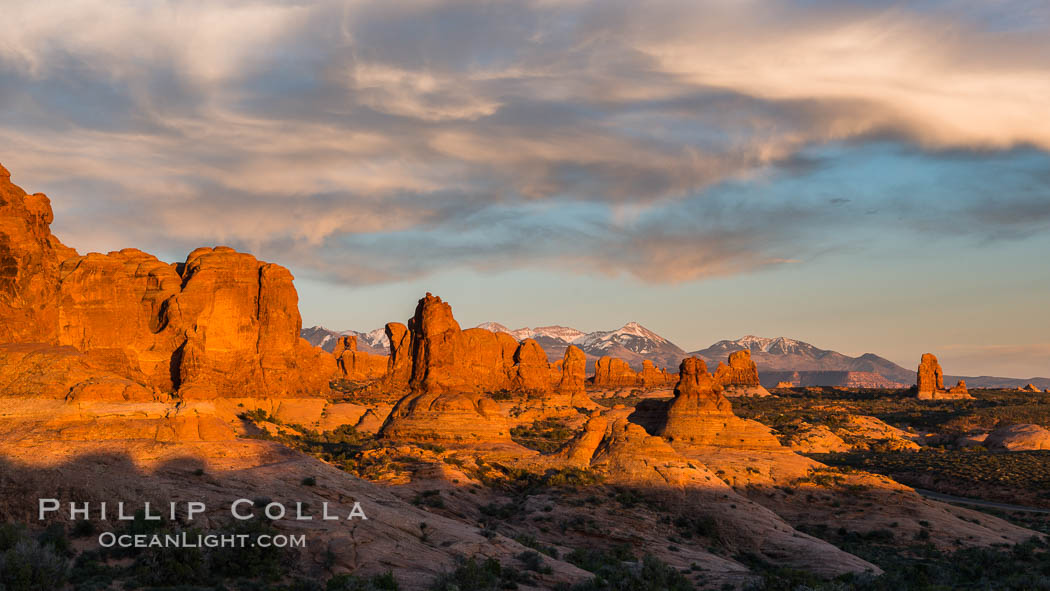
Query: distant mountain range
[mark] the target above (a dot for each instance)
(778, 359)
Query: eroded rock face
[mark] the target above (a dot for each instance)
(959, 390)
(447, 359)
(930, 381)
(611, 372)
(700, 414)
(573, 371)
(651, 377)
(451, 374)
(29, 260)
(452, 417)
(221, 324)
(399, 364)
(930, 378)
(740, 377)
(532, 370)
(355, 365)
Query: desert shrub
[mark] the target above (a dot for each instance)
(531, 542)
(544, 435)
(534, 561)
(429, 498)
(703, 526)
(487, 575)
(616, 569)
(29, 566)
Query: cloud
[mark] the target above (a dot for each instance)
(346, 138)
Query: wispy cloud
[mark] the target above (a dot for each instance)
(346, 138)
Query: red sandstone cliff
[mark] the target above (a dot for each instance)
(220, 324)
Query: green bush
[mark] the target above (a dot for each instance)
(28, 566)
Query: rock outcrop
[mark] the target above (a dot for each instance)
(220, 324)
(740, 377)
(651, 377)
(1023, 437)
(930, 381)
(700, 414)
(612, 373)
(355, 365)
(959, 390)
(930, 378)
(628, 456)
(452, 373)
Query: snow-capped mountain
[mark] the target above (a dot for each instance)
(560, 333)
(773, 346)
(631, 336)
(371, 342)
(632, 342)
(783, 354)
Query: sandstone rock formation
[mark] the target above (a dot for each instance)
(930, 378)
(698, 400)
(785, 385)
(740, 377)
(573, 376)
(629, 456)
(700, 414)
(469, 418)
(1023, 437)
(220, 324)
(358, 365)
(930, 381)
(612, 372)
(651, 377)
(447, 359)
(959, 390)
(453, 371)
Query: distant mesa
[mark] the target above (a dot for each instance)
(930, 382)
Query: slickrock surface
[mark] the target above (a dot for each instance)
(629, 456)
(391, 537)
(740, 377)
(1023, 437)
(816, 439)
(471, 419)
(220, 324)
(930, 381)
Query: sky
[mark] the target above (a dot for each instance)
(864, 176)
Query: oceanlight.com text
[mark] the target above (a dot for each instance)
(192, 540)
